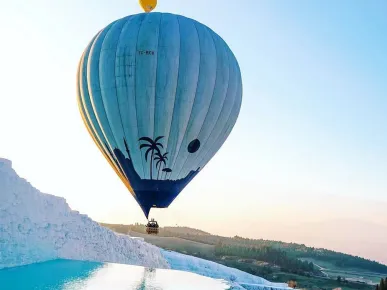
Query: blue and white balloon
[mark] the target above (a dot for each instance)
(159, 93)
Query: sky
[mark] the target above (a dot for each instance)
(310, 143)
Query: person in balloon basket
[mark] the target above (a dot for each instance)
(152, 224)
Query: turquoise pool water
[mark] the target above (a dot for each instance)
(74, 275)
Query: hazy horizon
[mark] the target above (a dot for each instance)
(309, 145)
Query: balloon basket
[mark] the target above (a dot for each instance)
(152, 231)
(152, 228)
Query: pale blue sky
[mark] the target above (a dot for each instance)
(312, 131)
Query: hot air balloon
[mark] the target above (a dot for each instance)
(148, 5)
(159, 94)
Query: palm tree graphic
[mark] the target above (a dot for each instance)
(152, 147)
(127, 148)
(161, 159)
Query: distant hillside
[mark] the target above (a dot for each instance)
(185, 231)
(273, 260)
(298, 251)
(164, 231)
(295, 250)
(336, 258)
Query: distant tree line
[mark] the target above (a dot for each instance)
(344, 260)
(336, 258)
(266, 254)
(382, 285)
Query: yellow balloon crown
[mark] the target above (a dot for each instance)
(148, 5)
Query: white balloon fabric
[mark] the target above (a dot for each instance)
(159, 93)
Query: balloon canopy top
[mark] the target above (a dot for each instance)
(148, 5)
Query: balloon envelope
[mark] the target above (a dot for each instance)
(159, 94)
